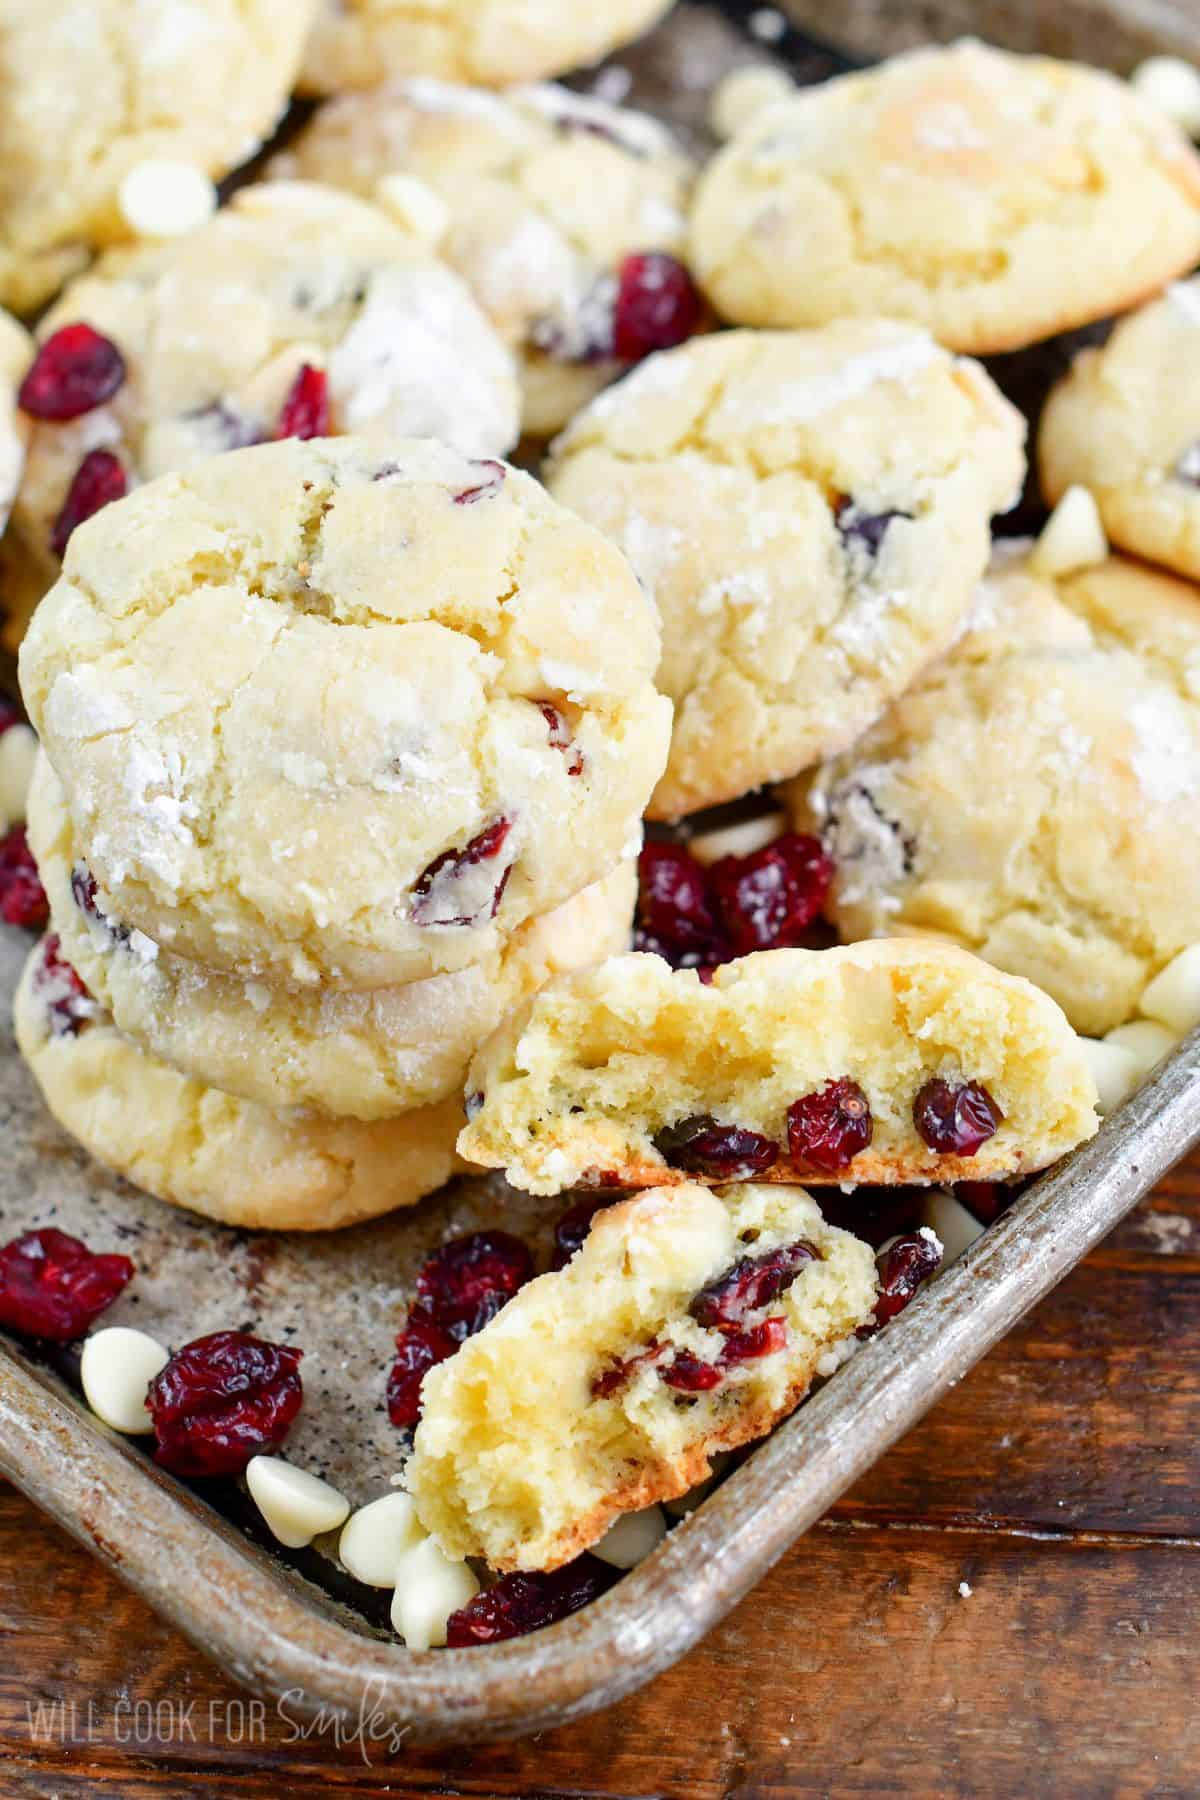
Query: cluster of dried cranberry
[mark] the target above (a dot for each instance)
(459, 1289)
(697, 918)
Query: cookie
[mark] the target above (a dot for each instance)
(15, 351)
(551, 203)
(90, 89)
(596, 1391)
(888, 1062)
(369, 1054)
(214, 329)
(810, 511)
(359, 43)
(345, 711)
(1034, 795)
(202, 1149)
(995, 199)
(1125, 422)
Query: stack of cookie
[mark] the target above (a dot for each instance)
(348, 768)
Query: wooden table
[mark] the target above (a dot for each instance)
(1004, 1607)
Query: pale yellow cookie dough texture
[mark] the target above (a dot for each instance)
(517, 1459)
(342, 712)
(545, 192)
(810, 511)
(91, 88)
(995, 199)
(359, 43)
(1035, 796)
(582, 1080)
(215, 327)
(1125, 422)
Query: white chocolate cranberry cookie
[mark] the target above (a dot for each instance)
(90, 89)
(361, 1054)
(904, 1061)
(1125, 422)
(295, 310)
(559, 211)
(205, 1150)
(16, 348)
(359, 43)
(810, 512)
(1036, 795)
(689, 1322)
(995, 199)
(345, 711)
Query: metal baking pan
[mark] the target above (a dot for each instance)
(290, 1625)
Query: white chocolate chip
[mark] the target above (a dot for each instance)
(1147, 1042)
(1073, 537)
(161, 198)
(737, 840)
(746, 92)
(376, 1537)
(630, 1539)
(1172, 87)
(297, 1506)
(18, 753)
(117, 1366)
(429, 1588)
(1173, 997)
(1116, 1072)
(414, 205)
(947, 1217)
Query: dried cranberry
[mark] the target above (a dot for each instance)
(902, 1269)
(22, 896)
(223, 1399)
(99, 480)
(986, 1199)
(690, 1375)
(561, 737)
(419, 1347)
(52, 1286)
(826, 1130)
(865, 529)
(572, 1229)
(61, 991)
(75, 370)
(753, 1282)
(305, 412)
(617, 1374)
(465, 1283)
(521, 1603)
(955, 1118)
(675, 919)
(658, 306)
(767, 900)
(701, 1146)
(435, 900)
(748, 1345)
(490, 482)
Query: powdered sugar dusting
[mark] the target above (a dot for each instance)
(1166, 758)
(797, 402)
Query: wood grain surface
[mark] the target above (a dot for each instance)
(1060, 1482)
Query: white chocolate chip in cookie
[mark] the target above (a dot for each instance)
(162, 198)
(1072, 538)
(429, 1587)
(116, 1368)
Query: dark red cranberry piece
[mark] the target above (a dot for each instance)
(465, 1283)
(955, 1118)
(826, 1130)
(902, 1269)
(53, 1287)
(690, 1375)
(99, 480)
(522, 1603)
(867, 530)
(223, 1399)
(419, 1348)
(701, 1146)
(61, 991)
(754, 1341)
(491, 480)
(658, 306)
(766, 901)
(305, 412)
(675, 918)
(986, 1199)
(435, 892)
(617, 1374)
(561, 738)
(22, 896)
(753, 1282)
(75, 370)
(572, 1229)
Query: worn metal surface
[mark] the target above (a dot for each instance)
(291, 1624)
